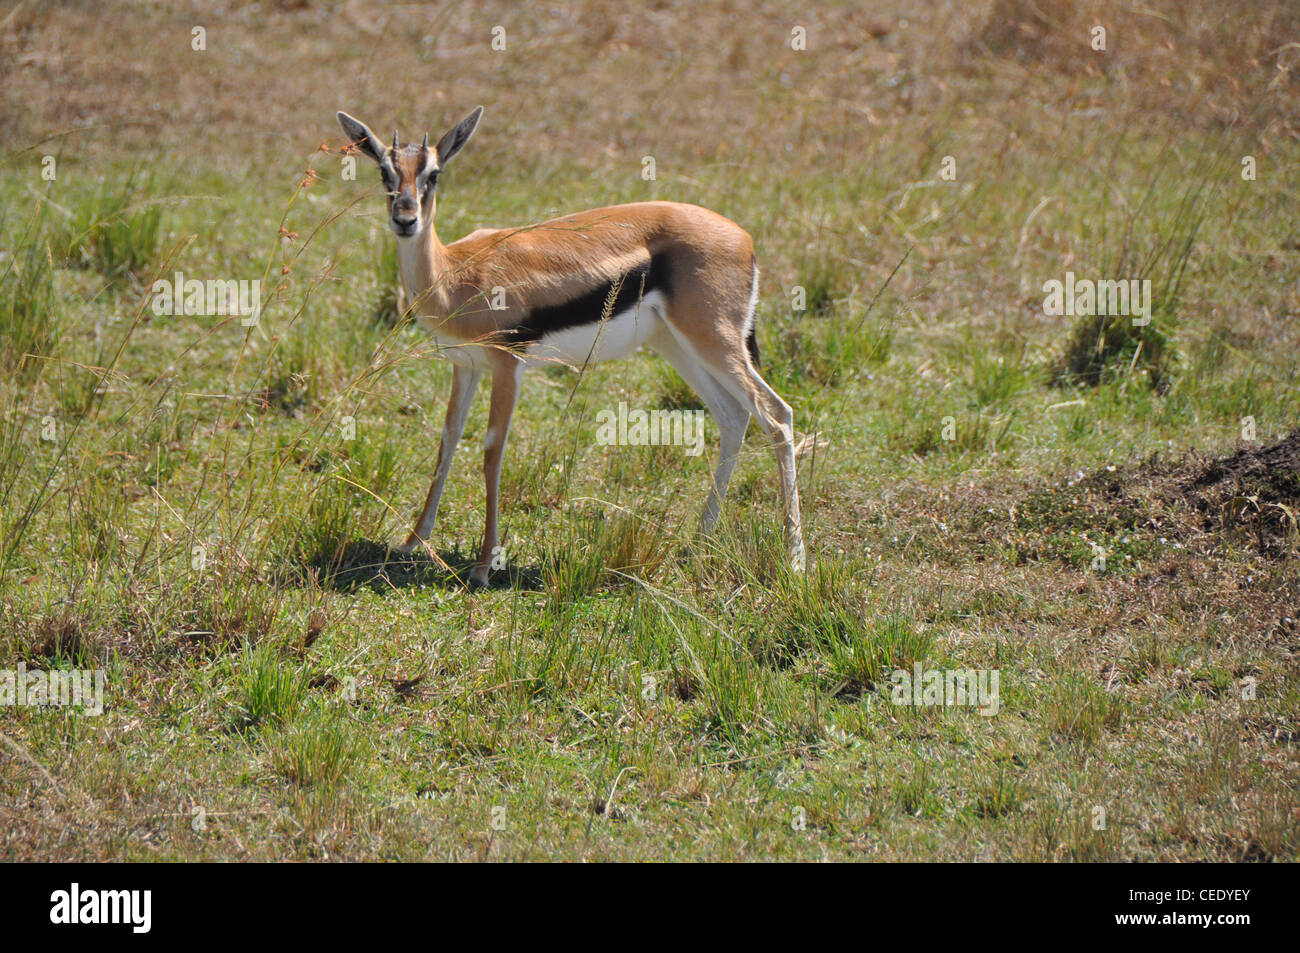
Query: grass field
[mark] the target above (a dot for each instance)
(1101, 513)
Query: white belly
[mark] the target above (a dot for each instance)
(469, 355)
(608, 340)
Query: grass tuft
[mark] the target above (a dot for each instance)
(30, 318)
(116, 229)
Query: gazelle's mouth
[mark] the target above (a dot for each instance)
(405, 229)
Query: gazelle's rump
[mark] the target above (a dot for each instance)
(582, 288)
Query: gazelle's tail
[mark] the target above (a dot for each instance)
(751, 340)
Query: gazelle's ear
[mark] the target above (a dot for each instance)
(358, 132)
(455, 139)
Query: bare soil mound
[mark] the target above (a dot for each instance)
(1256, 489)
(1131, 513)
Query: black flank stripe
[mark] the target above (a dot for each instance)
(590, 307)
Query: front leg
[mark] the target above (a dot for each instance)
(464, 381)
(506, 371)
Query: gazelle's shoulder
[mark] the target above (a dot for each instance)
(480, 238)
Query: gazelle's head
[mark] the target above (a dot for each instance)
(410, 172)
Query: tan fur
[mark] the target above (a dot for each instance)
(555, 261)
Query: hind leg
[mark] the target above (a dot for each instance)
(730, 415)
(732, 369)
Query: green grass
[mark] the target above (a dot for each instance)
(115, 227)
(29, 315)
(268, 691)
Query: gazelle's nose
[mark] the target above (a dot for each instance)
(404, 225)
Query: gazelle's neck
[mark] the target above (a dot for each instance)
(423, 263)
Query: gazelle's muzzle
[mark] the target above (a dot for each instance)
(404, 215)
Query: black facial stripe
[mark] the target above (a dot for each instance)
(590, 306)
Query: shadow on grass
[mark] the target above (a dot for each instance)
(366, 564)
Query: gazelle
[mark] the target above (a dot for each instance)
(587, 287)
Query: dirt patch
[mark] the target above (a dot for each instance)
(1130, 514)
(68, 637)
(1256, 489)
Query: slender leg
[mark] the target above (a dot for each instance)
(730, 415)
(506, 371)
(464, 381)
(778, 421)
(741, 379)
